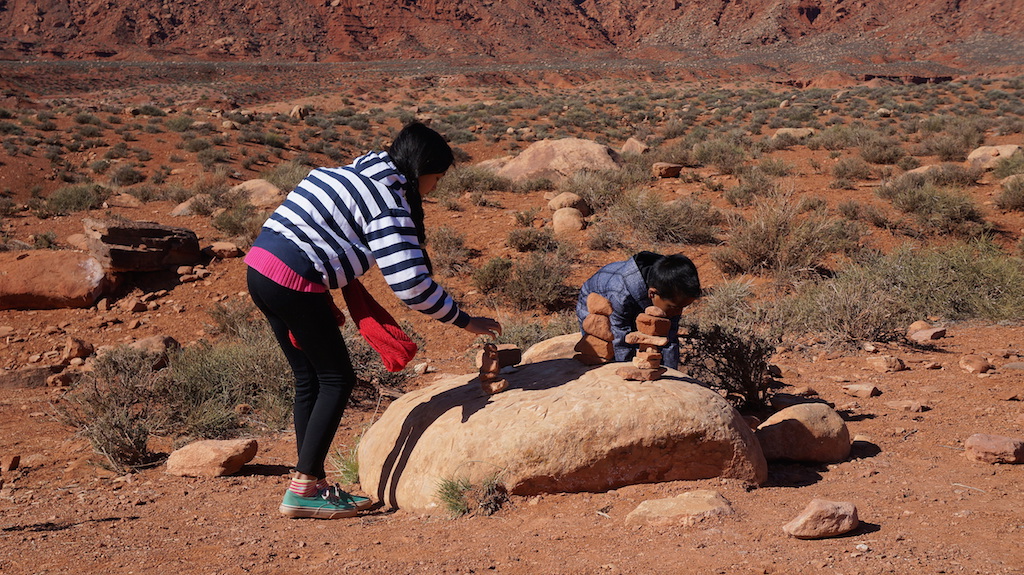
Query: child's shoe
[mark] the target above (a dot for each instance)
(323, 505)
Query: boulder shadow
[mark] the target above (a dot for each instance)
(788, 474)
(263, 470)
(863, 450)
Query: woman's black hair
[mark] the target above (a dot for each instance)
(673, 276)
(416, 151)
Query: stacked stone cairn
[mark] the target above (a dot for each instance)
(651, 335)
(491, 359)
(596, 347)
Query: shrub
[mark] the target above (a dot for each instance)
(938, 210)
(287, 175)
(678, 221)
(732, 360)
(76, 198)
(448, 251)
(538, 282)
(598, 189)
(882, 151)
(723, 154)
(1012, 195)
(493, 275)
(209, 157)
(532, 239)
(126, 176)
(777, 240)
(1006, 167)
(775, 167)
(116, 407)
(460, 496)
(179, 123)
(753, 183)
(242, 221)
(851, 168)
(524, 333)
(463, 179)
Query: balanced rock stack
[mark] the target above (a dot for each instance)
(491, 359)
(651, 335)
(595, 347)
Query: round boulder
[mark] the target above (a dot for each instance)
(559, 427)
(811, 432)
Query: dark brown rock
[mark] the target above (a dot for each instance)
(129, 246)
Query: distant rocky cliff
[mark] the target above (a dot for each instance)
(960, 32)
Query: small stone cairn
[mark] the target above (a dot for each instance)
(492, 358)
(651, 335)
(596, 346)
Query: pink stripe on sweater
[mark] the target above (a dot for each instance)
(276, 271)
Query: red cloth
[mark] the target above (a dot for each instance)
(376, 326)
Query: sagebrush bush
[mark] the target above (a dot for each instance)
(76, 198)
(117, 406)
(1011, 197)
(532, 240)
(1006, 167)
(492, 275)
(851, 168)
(538, 282)
(876, 299)
(654, 220)
(777, 239)
(286, 175)
(462, 179)
(724, 154)
(730, 359)
(754, 182)
(599, 190)
(937, 210)
(447, 250)
(241, 221)
(882, 151)
(525, 332)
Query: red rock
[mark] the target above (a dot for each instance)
(46, 279)
(821, 519)
(599, 326)
(975, 364)
(590, 345)
(651, 325)
(637, 338)
(908, 405)
(985, 448)
(924, 336)
(666, 170)
(10, 462)
(507, 354)
(633, 373)
(211, 458)
(655, 311)
(597, 303)
(886, 364)
(861, 390)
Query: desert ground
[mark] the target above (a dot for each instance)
(923, 506)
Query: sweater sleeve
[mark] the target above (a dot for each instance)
(391, 238)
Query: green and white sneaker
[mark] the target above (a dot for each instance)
(357, 501)
(326, 504)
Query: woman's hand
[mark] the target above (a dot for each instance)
(484, 326)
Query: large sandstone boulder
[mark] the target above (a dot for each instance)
(45, 279)
(559, 427)
(556, 160)
(260, 193)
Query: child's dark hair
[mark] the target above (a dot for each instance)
(674, 277)
(416, 151)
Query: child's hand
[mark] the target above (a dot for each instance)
(484, 326)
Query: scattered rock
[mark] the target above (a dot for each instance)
(666, 170)
(567, 221)
(260, 193)
(187, 208)
(917, 325)
(972, 363)
(886, 364)
(821, 519)
(985, 448)
(28, 376)
(635, 146)
(985, 157)
(9, 463)
(569, 200)
(224, 250)
(682, 510)
(795, 133)
(924, 336)
(864, 390)
(617, 433)
(811, 432)
(211, 458)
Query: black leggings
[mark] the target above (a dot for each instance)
(324, 376)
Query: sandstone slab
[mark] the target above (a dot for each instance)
(211, 458)
(556, 160)
(559, 427)
(986, 448)
(682, 510)
(821, 519)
